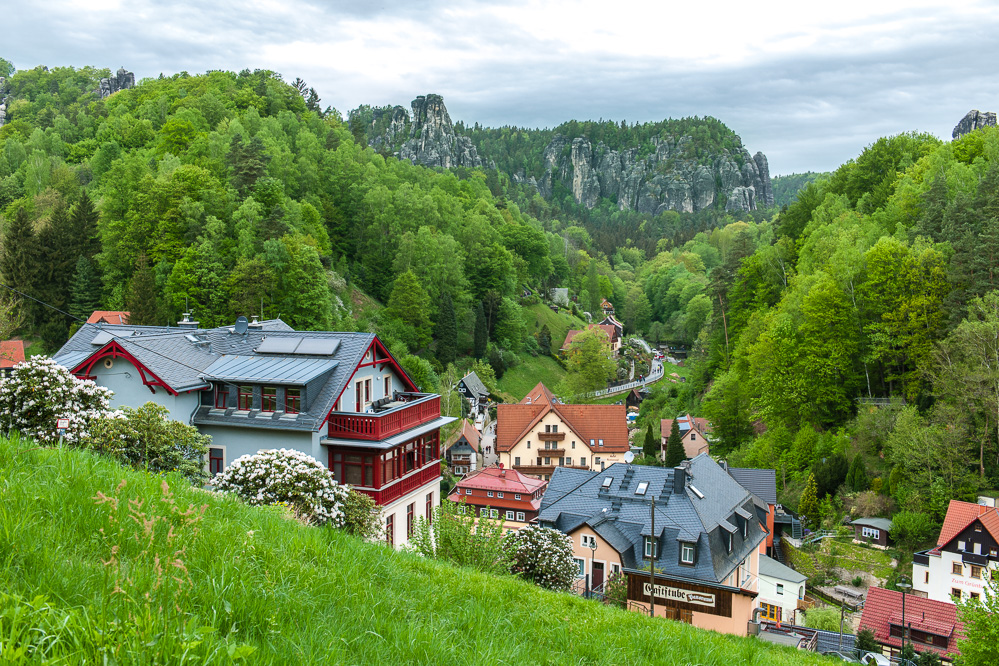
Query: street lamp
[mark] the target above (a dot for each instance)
(593, 551)
(903, 584)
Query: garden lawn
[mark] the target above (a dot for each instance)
(265, 588)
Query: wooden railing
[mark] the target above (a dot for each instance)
(551, 436)
(407, 484)
(420, 408)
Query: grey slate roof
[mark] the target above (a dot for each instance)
(760, 482)
(181, 357)
(475, 385)
(278, 369)
(623, 519)
(876, 523)
(774, 569)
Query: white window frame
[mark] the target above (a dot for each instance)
(870, 532)
(686, 547)
(510, 514)
(468, 491)
(586, 539)
(780, 589)
(516, 496)
(650, 548)
(493, 513)
(489, 493)
(499, 495)
(521, 517)
(580, 566)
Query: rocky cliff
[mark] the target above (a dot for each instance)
(682, 166)
(3, 101)
(427, 138)
(975, 119)
(121, 80)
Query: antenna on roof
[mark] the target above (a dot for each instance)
(629, 456)
(241, 325)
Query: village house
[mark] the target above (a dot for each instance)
(11, 353)
(108, 317)
(693, 434)
(703, 537)
(338, 397)
(606, 307)
(540, 434)
(503, 493)
(874, 531)
(475, 392)
(932, 625)
(609, 320)
(782, 591)
(463, 455)
(609, 330)
(965, 558)
(762, 483)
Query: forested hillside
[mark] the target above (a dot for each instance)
(786, 188)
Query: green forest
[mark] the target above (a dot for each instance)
(848, 336)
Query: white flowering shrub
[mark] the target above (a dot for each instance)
(541, 555)
(286, 476)
(40, 391)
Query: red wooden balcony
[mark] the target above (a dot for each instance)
(405, 485)
(407, 411)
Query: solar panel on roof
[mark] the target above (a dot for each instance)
(318, 346)
(274, 345)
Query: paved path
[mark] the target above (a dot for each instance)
(488, 441)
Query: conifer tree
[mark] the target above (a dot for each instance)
(650, 449)
(84, 289)
(545, 340)
(446, 332)
(409, 305)
(808, 505)
(141, 301)
(19, 262)
(481, 338)
(674, 446)
(83, 227)
(593, 289)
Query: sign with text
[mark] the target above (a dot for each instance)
(684, 596)
(62, 424)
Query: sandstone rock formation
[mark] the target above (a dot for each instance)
(975, 119)
(432, 139)
(3, 101)
(122, 80)
(664, 180)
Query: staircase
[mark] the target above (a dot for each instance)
(795, 528)
(779, 552)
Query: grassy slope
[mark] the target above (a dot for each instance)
(520, 379)
(536, 316)
(307, 595)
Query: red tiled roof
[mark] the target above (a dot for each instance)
(959, 515)
(596, 422)
(884, 607)
(108, 317)
(700, 425)
(504, 480)
(608, 329)
(471, 434)
(11, 353)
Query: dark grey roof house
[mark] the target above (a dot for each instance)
(339, 397)
(472, 388)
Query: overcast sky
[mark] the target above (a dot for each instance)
(810, 84)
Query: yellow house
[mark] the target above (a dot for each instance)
(700, 528)
(539, 434)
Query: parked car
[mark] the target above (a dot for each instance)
(875, 659)
(842, 656)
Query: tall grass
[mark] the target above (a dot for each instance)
(99, 564)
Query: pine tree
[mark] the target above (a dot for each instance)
(674, 446)
(856, 478)
(19, 263)
(446, 332)
(650, 449)
(83, 228)
(593, 288)
(545, 340)
(141, 301)
(808, 505)
(84, 289)
(481, 338)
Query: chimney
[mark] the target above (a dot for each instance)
(679, 480)
(187, 322)
(254, 323)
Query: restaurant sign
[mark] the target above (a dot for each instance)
(684, 596)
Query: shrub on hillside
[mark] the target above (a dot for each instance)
(146, 438)
(361, 516)
(286, 476)
(40, 391)
(455, 535)
(541, 555)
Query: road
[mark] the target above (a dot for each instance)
(488, 443)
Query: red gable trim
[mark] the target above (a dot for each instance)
(114, 350)
(375, 347)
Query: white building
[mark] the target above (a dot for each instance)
(965, 558)
(781, 588)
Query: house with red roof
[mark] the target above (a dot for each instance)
(11, 353)
(539, 434)
(109, 317)
(463, 454)
(693, 434)
(965, 558)
(933, 625)
(611, 331)
(501, 493)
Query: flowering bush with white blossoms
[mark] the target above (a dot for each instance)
(541, 555)
(40, 391)
(292, 477)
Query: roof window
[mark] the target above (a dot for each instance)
(607, 482)
(642, 487)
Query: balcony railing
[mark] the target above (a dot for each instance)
(542, 469)
(551, 453)
(551, 436)
(408, 410)
(921, 558)
(407, 484)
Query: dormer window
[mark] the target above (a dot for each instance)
(268, 399)
(686, 553)
(650, 548)
(221, 396)
(728, 542)
(745, 528)
(293, 400)
(245, 398)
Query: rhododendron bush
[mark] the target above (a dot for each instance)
(541, 555)
(286, 476)
(40, 391)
